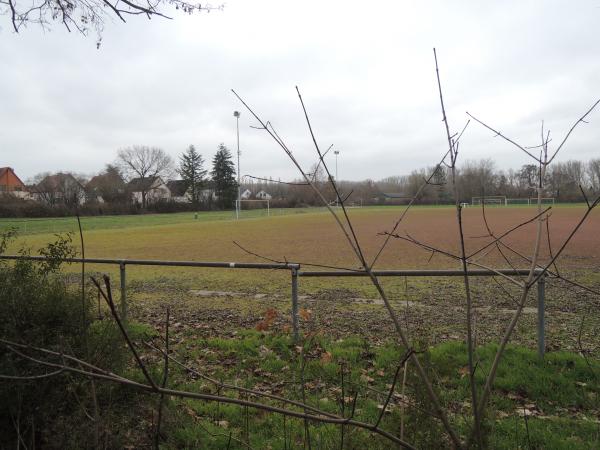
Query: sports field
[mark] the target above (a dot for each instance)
(310, 236)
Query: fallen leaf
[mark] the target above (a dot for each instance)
(326, 357)
(305, 314)
(367, 378)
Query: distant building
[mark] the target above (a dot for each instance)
(148, 190)
(61, 188)
(11, 184)
(263, 195)
(246, 194)
(106, 187)
(179, 191)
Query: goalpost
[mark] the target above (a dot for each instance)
(499, 200)
(544, 200)
(528, 201)
(356, 204)
(253, 205)
(518, 201)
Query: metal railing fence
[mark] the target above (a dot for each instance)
(297, 273)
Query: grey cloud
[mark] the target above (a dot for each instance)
(366, 75)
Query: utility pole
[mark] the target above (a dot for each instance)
(236, 114)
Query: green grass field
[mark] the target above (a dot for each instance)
(307, 236)
(69, 224)
(89, 223)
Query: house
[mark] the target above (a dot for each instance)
(179, 191)
(61, 188)
(93, 190)
(246, 194)
(208, 195)
(148, 190)
(106, 187)
(263, 195)
(11, 184)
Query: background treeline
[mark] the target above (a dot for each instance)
(564, 182)
(474, 178)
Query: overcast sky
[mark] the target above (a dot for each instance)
(365, 69)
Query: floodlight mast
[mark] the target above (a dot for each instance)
(238, 206)
(336, 153)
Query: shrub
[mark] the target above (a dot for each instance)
(38, 308)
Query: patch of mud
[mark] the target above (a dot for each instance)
(346, 297)
(206, 293)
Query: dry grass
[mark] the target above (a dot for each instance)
(314, 238)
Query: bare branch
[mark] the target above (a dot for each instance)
(580, 120)
(108, 298)
(31, 377)
(393, 387)
(410, 204)
(161, 401)
(354, 244)
(275, 181)
(505, 138)
(222, 385)
(285, 261)
(507, 232)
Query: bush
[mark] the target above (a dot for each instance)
(38, 308)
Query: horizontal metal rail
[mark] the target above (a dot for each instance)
(154, 262)
(296, 273)
(416, 273)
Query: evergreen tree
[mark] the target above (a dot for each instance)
(191, 170)
(223, 177)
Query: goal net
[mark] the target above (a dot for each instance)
(517, 201)
(348, 204)
(252, 208)
(544, 200)
(356, 204)
(499, 200)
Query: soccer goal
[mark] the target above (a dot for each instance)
(356, 204)
(252, 208)
(497, 200)
(517, 201)
(544, 200)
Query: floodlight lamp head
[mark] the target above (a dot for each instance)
(236, 114)
(336, 152)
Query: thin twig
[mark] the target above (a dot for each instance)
(463, 259)
(99, 373)
(108, 298)
(161, 401)
(407, 355)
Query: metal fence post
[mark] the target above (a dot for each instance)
(123, 291)
(295, 304)
(541, 292)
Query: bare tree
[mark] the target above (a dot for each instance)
(86, 15)
(593, 172)
(146, 164)
(108, 186)
(61, 188)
